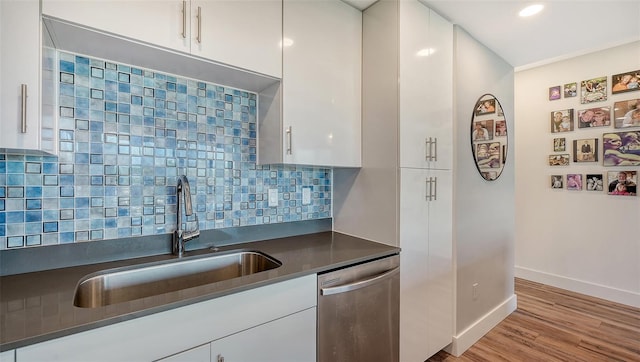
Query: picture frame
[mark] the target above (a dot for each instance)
(488, 155)
(501, 128)
(482, 130)
(585, 150)
(594, 182)
(554, 93)
(574, 181)
(557, 181)
(559, 160)
(570, 90)
(593, 90)
(626, 113)
(486, 106)
(559, 144)
(594, 117)
(621, 148)
(625, 82)
(623, 183)
(562, 121)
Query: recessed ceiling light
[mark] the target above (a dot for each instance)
(531, 10)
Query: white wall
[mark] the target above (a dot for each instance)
(483, 211)
(583, 241)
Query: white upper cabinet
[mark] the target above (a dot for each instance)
(241, 33)
(426, 81)
(321, 118)
(163, 23)
(20, 69)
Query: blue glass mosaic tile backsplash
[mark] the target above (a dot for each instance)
(125, 135)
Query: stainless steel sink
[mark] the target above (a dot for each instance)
(129, 283)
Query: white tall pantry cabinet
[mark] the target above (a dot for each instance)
(403, 194)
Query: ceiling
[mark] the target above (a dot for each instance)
(564, 28)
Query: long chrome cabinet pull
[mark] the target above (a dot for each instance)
(184, 19)
(23, 119)
(431, 185)
(289, 151)
(199, 38)
(427, 152)
(435, 149)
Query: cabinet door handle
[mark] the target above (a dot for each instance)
(434, 196)
(435, 149)
(184, 19)
(427, 149)
(427, 189)
(199, 37)
(23, 118)
(289, 131)
(432, 189)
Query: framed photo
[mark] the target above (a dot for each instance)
(574, 181)
(585, 150)
(562, 121)
(486, 106)
(621, 148)
(625, 82)
(501, 128)
(489, 175)
(554, 93)
(593, 90)
(559, 160)
(594, 182)
(556, 182)
(622, 183)
(626, 113)
(570, 90)
(594, 117)
(559, 144)
(488, 155)
(482, 130)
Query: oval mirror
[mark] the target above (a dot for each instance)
(489, 137)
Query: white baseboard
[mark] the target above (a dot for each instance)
(471, 335)
(626, 297)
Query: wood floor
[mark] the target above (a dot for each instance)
(553, 324)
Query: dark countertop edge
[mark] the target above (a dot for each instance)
(390, 250)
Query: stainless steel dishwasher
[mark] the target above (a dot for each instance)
(359, 312)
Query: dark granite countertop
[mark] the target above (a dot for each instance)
(38, 306)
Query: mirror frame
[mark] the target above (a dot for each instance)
(486, 117)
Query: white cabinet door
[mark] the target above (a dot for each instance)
(8, 356)
(20, 69)
(163, 23)
(426, 278)
(288, 339)
(414, 269)
(426, 93)
(322, 83)
(197, 354)
(242, 33)
(440, 262)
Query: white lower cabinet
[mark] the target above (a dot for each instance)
(292, 338)
(426, 280)
(250, 319)
(288, 339)
(7, 356)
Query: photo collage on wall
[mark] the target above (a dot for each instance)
(617, 146)
(488, 137)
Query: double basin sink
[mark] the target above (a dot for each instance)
(129, 283)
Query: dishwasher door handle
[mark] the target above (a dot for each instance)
(359, 284)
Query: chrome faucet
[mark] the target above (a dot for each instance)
(182, 236)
